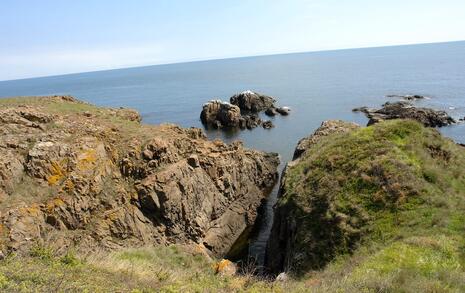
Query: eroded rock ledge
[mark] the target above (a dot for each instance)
(76, 176)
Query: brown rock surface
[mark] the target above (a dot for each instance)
(252, 102)
(405, 110)
(74, 175)
(220, 114)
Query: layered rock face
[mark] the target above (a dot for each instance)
(405, 110)
(76, 176)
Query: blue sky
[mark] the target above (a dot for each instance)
(49, 37)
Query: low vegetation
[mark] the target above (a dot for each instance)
(380, 209)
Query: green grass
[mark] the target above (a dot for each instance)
(387, 187)
(150, 269)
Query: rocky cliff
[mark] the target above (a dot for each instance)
(385, 193)
(76, 176)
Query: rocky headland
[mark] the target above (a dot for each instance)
(376, 206)
(75, 176)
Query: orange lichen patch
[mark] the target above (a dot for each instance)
(86, 159)
(57, 173)
(225, 267)
(33, 210)
(56, 202)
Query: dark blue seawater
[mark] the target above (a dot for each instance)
(317, 86)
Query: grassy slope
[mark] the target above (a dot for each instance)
(391, 194)
(150, 269)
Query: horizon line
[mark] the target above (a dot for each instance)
(229, 58)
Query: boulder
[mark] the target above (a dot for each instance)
(250, 101)
(282, 277)
(267, 124)
(225, 268)
(220, 114)
(283, 110)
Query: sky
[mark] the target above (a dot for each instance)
(51, 37)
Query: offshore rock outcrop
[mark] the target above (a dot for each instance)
(76, 176)
(242, 111)
(405, 110)
(220, 115)
(252, 102)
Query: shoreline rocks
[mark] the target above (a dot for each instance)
(405, 110)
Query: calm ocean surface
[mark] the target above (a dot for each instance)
(317, 86)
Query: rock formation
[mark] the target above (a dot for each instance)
(76, 176)
(242, 112)
(404, 110)
(220, 114)
(252, 101)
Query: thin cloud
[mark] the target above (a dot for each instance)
(78, 60)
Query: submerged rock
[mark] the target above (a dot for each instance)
(267, 124)
(106, 181)
(407, 97)
(250, 101)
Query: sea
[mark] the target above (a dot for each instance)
(317, 86)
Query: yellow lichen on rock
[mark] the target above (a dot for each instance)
(86, 159)
(56, 202)
(57, 173)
